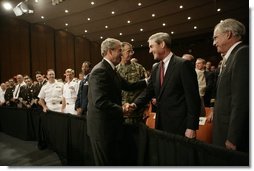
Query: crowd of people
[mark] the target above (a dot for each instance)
(117, 90)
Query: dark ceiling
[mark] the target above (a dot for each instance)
(204, 15)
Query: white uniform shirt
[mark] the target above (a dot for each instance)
(2, 100)
(70, 91)
(52, 93)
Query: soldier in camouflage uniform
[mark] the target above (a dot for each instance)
(132, 72)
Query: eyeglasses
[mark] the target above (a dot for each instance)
(130, 52)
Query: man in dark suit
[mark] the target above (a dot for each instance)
(174, 84)
(105, 110)
(82, 99)
(231, 110)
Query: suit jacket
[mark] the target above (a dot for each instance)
(105, 116)
(178, 100)
(210, 78)
(231, 111)
(82, 99)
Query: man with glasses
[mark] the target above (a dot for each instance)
(132, 72)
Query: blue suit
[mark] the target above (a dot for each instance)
(82, 99)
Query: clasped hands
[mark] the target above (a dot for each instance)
(128, 108)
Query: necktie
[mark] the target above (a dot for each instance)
(161, 72)
(223, 65)
(17, 92)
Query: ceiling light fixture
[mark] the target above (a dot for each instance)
(113, 12)
(139, 4)
(128, 21)
(218, 10)
(92, 3)
(66, 11)
(153, 15)
(180, 6)
(195, 27)
(42, 17)
(120, 34)
(189, 18)
(7, 5)
(22, 8)
(163, 24)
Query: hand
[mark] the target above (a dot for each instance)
(230, 145)
(154, 101)
(79, 111)
(125, 108)
(45, 109)
(209, 118)
(189, 133)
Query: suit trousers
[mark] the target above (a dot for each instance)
(107, 152)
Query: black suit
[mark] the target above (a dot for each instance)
(209, 78)
(82, 99)
(178, 101)
(231, 111)
(105, 115)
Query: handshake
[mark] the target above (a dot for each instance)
(128, 108)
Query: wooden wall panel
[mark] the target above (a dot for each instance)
(82, 53)
(15, 52)
(95, 53)
(42, 49)
(64, 52)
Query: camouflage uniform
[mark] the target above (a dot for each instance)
(132, 73)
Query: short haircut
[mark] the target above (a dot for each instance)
(107, 44)
(233, 26)
(161, 37)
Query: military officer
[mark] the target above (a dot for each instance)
(132, 72)
(51, 93)
(70, 91)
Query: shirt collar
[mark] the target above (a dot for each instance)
(230, 50)
(111, 64)
(165, 60)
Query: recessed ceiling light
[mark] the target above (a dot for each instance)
(120, 34)
(172, 32)
(141, 29)
(85, 31)
(88, 19)
(42, 17)
(66, 24)
(195, 27)
(113, 12)
(101, 37)
(163, 24)
(153, 15)
(66, 11)
(106, 26)
(132, 40)
(139, 4)
(36, 1)
(180, 6)
(7, 5)
(128, 21)
(218, 10)
(92, 3)
(189, 18)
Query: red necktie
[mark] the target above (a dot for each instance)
(161, 72)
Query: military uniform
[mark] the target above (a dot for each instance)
(8, 96)
(132, 72)
(52, 94)
(70, 91)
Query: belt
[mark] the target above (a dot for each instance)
(70, 103)
(54, 103)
